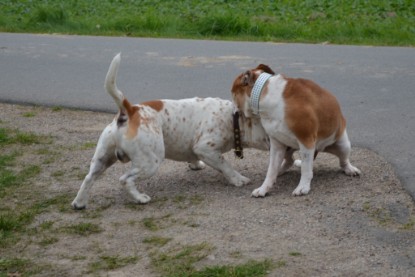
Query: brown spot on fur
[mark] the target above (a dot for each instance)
(241, 88)
(133, 119)
(156, 105)
(312, 113)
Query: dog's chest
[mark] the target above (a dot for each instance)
(273, 116)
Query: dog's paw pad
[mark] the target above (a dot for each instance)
(259, 192)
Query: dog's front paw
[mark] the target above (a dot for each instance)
(259, 192)
(240, 181)
(301, 190)
(77, 206)
(79, 203)
(351, 170)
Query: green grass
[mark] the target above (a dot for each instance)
(179, 262)
(157, 241)
(19, 267)
(82, 229)
(378, 22)
(295, 254)
(10, 136)
(14, 222)
(112, 262)
(249, 269)
(155, 224)
(11, 144)
(29, 114)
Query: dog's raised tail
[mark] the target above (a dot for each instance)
(110, 82)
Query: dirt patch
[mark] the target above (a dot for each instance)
(345, 227)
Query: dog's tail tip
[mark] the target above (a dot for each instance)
(110, 81)
(118, 57)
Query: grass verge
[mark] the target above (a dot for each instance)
(181, 260)
(377, 22)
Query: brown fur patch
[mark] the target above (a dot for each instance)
(243, 84)
(156, 105)
(265, 68)
(133, 119)
(242, 87)
(312, 113)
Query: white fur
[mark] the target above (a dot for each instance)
(196, 130)
(272, 116)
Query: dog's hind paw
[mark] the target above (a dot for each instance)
(351, 170)
(297, 163)
(142, 198)
(198, 165)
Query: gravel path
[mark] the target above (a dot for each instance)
(346, 226)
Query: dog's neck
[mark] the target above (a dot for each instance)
(252, 133)
(256, 91)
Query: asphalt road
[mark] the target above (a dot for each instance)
(375, 85)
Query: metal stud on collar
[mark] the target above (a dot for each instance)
(256, 91)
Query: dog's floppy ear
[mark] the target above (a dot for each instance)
(247, 78)
(265, 68)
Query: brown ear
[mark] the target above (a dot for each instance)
(265, 68)
(247, 78)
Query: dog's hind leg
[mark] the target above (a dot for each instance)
(214, 158)
(140, 171)
(341, 149)
(288, 161)
(128, 181)
(103, 158)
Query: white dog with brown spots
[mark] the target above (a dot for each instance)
(297, 114)
(196, 130)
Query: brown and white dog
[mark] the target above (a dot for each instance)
(296, 114)
(196, 130)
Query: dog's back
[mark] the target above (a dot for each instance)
(188, 122)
